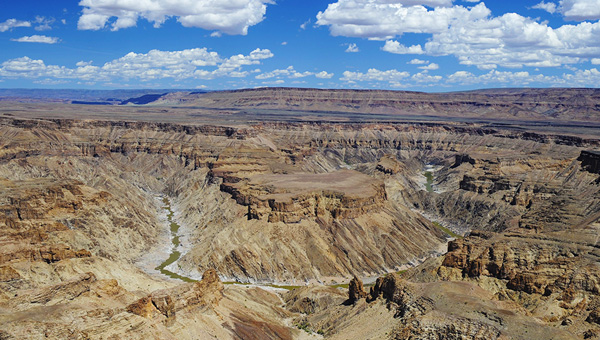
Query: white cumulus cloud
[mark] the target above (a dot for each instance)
(417, 62)
(375, 75)
(352, 48)
(549, 7)
(12, 23)
(324, 75)
(430, 67)
(43, 23)
(471, 34)
(515, 41)
(580, 9)
(37, 39)
(577, 10)
(291, 73)
(393, 46)
(230, 17)
(424, 78)
(430, 3)
(197, 63)
(383, 19)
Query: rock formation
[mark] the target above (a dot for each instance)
(303, 197)
(590, 161)
(356, 291)
(207, 292)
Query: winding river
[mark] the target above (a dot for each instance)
(175, 254)
(429, 183)
(429, 187)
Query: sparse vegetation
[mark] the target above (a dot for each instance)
(305, 326)
(446, 230)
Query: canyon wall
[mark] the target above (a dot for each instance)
(295, 203)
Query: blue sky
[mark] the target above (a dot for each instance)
(417, 45)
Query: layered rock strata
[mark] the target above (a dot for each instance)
(554, 104)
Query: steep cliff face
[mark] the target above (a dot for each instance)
(551, 276)
(50, 220)
(397, 308)
(298, 202)
(85, 306)
(326, 224)
(590, 161)
(338, 197)
(541, 265)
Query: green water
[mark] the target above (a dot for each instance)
(429, 183)
(446, 230)
(174, 256)
(429, 188)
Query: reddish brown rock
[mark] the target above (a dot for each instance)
(540, 264)
(8, 273)
(55, 254)
(143, 307)
(389, 165)
(205, 293)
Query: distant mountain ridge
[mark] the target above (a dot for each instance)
(532, 104)
(524, 104)
(85, 96)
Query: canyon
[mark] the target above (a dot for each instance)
(303, 214)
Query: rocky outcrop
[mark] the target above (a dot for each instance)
(313, 299)
(462, 158)
(540, 265)
(291, 198)
(451, 310)
(55, 254)
(7, 273)
(389, 165)
(207, 292)
(590, 161)
(356, 291)
(594, 317)
(53, 220)
(459, 328)
(143, 307)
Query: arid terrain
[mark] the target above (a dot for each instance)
(302, 214)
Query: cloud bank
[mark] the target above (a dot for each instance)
(197, 63)
(471, 34)
(37, 39)
(230, 17)
(13, 23)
